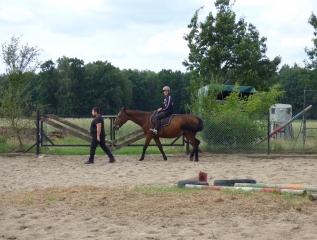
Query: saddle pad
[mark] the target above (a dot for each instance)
(164, 122)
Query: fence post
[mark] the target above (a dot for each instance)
(111, 129)
(268, 133)
(304, 121)
(37, 132)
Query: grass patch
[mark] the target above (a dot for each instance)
(29, 200)
(154, 190)
(131, 150)
(160, 201)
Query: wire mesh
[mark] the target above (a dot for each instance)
(234, 133)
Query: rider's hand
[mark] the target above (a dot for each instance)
(160, 109)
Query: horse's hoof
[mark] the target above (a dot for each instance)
(165, 159)
(191, 158)
(141, 159)
(196, 160)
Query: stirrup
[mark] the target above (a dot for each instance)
(153, 130)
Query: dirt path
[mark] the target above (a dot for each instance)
(99, 204)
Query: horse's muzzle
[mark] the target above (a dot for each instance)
(116, 128)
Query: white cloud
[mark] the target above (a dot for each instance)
(145, 34)
(15, 14)
(171, 42)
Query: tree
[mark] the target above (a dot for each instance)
(293, 83)
(20, 59)
(15, 99)
(70, 76)
(107, 87)
(226, 51)
(311, 65)
(47, 87)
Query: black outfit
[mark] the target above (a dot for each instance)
(94, 141)
(167, 110)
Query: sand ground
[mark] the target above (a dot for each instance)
(95, 202)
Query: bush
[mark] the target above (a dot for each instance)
(232, 128)
(237, 123)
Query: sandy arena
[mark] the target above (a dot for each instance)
(59, 197)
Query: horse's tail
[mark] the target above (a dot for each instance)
(191, 128)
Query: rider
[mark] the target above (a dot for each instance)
(165, 111)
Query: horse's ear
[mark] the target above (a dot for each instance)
(123, 109)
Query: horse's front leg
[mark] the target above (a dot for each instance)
(159, 145)
(146, 144)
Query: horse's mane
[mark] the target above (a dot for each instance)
(139, 111)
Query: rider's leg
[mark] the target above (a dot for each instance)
(158, 119)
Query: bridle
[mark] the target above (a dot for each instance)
(120, 118)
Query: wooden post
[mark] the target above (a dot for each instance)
(312, 197)
(37, 132)
(268, 133)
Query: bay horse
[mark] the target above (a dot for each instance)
(183, 124)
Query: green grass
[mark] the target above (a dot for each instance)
(123, 151)
(163, 190)
(124, 130)
(277, 145)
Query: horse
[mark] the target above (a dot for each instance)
(182, 124)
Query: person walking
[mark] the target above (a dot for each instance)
(165, 111)
(97, 131)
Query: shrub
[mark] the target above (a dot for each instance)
(232, 128)
(237, 122)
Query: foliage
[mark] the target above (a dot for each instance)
(236, 121)
(15, 104)
(311, 65)
(20, 59)
(70, 87)
(227, 51)
(293, 81)
(15, 100)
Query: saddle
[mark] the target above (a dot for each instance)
(164, 122)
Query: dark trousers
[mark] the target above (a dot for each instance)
(93, 145)
(158, 119)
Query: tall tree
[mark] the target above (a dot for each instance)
(107, 87)
(70, 77)
(47, 87)
(15, 99)
(311, 65)
(292, 81)
(226, 51)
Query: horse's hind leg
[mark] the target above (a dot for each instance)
(197, 142)
(159, 145)
(191, 137)
(146, 144)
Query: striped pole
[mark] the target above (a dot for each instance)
(311, 188)
(285, 124)
(312, 197)
(251, 189)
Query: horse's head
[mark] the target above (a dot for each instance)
(120, 119)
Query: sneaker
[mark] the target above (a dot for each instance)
(112, 160)
(153, 130)
(89, 162)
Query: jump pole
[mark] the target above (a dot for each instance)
(311, 188)
(312, 197)
(250, 189)
(285, 124)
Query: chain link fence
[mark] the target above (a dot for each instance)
(279, 131)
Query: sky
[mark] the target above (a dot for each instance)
(146, 34)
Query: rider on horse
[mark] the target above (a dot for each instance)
(165, 111)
